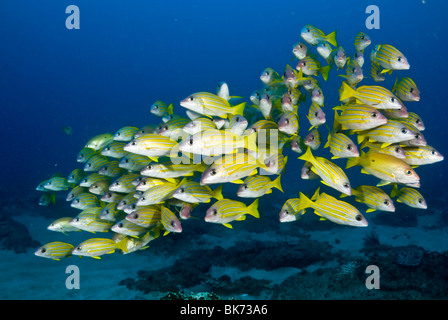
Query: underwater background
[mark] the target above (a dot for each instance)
(127, 55)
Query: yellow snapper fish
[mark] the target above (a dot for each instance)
(238, 124)
(62, 225)
(391, 132)
(76, 191)
(232, 168)
(173, 128)
(123, 184)
(158, 194)
(373, 197)
(95, 163)
(225, 211)
(409, 197)
(149, 182)
(311, 67)
(216, 142)
(354, 73)
(209, 104)
(169, 221)
(114, 150)
(84, 201)
(362, 41)
(91, 224)
(312, 139)
(358, 117)
(375, 72)
(55, 250)
(47, 199)
(76, 176)
(341, 146)
(125, 133)
(100, 141)
(133, 244)
(393, 149)
(160, 109)
(111, 169)
(194, 192)
(315, 116)
(57, 184)
(92, 178)
(85, 154)
(339, 58)
(169, 170)
(100, 187)
(97, 247)
(111, 213)
(324, 49)
(317, 97)
(289, 123)
(257, 186)
(289, 211)
(290, 77)
(389, 58)
(146, 216)
(330, 208)
(198, 125)
(330, 173)
(358, 57)
(144, 130)
(151, 145)
(134, 162)
(374, 96)
(275, 163)
(416, 121)
(385, 167)
(270, 77)
(313, 35)
(128, 228)
(306, 173)
(421, 155)
(406, 89)
(300, 50)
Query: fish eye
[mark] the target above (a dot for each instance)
(358, 217)
(120, 225)
(392, 99)
(212, 172)
(126, 160)
(312, 137)
(95, 186)
(135, 216)
(304, 63)
(214, 212)
(237, 119)
(362, 38)
(79, 248)
(77, 219)
(433, 152)
(399, 59)
(411, 90)
(117, 183)
(349, 147)
(386, 202)
(300, 46)
(420, 200)
(181, 190)
(244, 186)
(316, 113)
(404, 130)
(43, 250)
(286, 211)
(155, 107)
(287, 121)
(165, 128)
(346, 185)
(191, 98)
(307, 29)
(417, 136)
(149, 167)
(190, 141)
(143, 198)
(133, 143)
(107, 211)
(374, 114)
(408, 172)
(118, 134)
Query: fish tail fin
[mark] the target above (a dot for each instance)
(277, 183)
(324, 71)
(316, 194)
(251, 142)
(331, 38)
(394, 88)
(53, 198)
(361, 137)
(347, 92)
(328, 140)
(305, 202)
(170, 109)
(239, 108)
(122, 244)
(394, 191)
(253, 209)
(351, 162)
(308, 156)
(217, 193)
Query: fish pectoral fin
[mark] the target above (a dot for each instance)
(228, 225)
(370, 210)
(238, 181)
(243, 217)
(95, 257)
(364, 171)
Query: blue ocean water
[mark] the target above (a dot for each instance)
(128, 54)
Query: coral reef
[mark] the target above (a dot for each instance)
(15, 236)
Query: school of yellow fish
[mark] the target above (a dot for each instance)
(140, 183)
